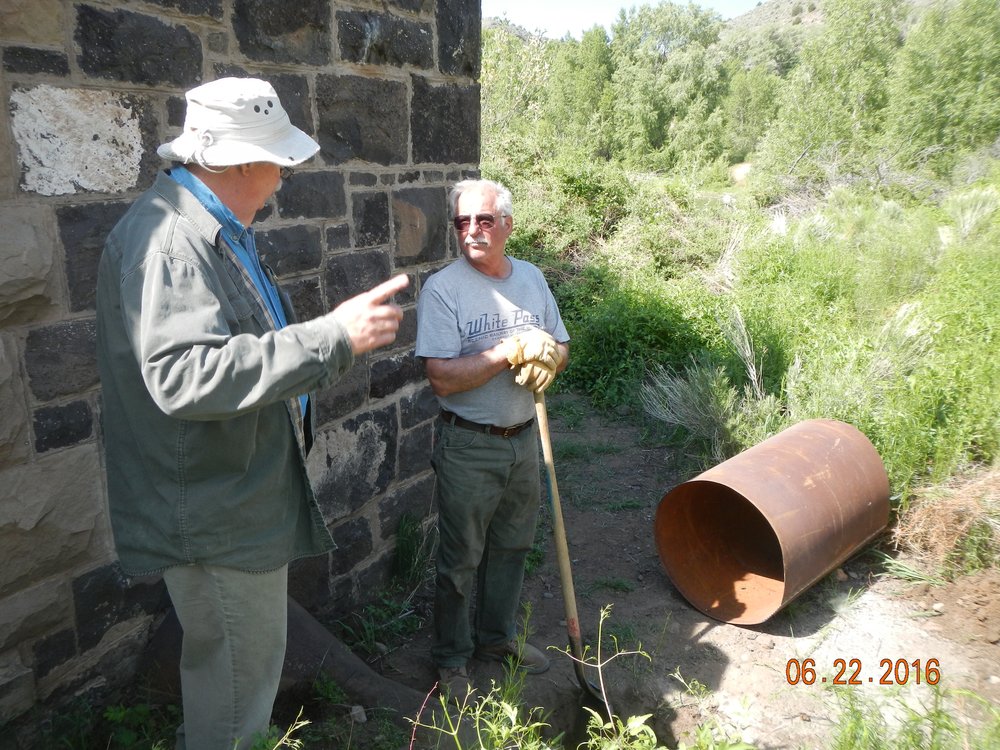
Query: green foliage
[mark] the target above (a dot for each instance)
(414, 550)
(514, 75)
(601, 192)
(955, 387)
(945, 91)
(618, 734)
(327, 689)
(977, 550)
(768, 49)
(573, 451)
(390, 617)
(276, 738)
(618, 585)
(387, 620)
(934, 726)
(667, 85)
(72, 727)
(614, 339)
(120, 726)
(140, 725)
(748, 109)
(620, 633)
(578, 109)
(834, 103)
(487, 722)
(872, 298)
(570, 412)
(536, 556)
(710, 736)
(625, 505)
(862, 314)
(903, 571)
(699, 402)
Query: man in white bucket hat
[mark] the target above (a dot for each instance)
(205, 410)
(237, 121)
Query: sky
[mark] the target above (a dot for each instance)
(557, 17)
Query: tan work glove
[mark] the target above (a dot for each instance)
(535, 376)
(533, 345)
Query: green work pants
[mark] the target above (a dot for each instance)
(487, 496)
(235, 630)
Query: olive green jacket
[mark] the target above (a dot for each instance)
(204, 437)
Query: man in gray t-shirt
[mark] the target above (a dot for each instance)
(490, 334)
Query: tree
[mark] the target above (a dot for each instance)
(515, 71)
(946, 84)
(665, 71)
(748, 109)
(771, 49)
(834, 106)
(578, 105)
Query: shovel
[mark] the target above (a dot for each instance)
(562, 553)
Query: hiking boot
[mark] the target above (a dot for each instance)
(525, 657)
(454, 681)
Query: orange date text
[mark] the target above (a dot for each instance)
(851, 672)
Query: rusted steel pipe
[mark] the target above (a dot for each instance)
(743, 539)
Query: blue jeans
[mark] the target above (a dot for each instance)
(488, 495)
(235, 629)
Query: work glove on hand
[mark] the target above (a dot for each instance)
(534, 345)
(535, 376)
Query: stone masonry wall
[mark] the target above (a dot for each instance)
(389, 90)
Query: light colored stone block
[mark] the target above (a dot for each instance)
(27, 257)
(362, 451)
(113, 661)
(33, 21)
(14, 433)
(48, 512)
(74, 140)
(35, 612)
(17, 687)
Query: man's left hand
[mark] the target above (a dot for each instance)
(536, 376)
(534, 344)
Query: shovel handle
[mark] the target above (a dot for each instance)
(562, 555)
(559, 530)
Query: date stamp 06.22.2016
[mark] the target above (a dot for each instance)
(852, 672)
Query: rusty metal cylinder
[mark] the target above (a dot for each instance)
(743, 539)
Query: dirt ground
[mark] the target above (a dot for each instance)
(611, 477)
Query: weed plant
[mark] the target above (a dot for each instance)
(414, 553)
(138, 725)
(569, 412)
(940, 724)
(386, 621)
(617, 585)
(497, 719)
(391, 616)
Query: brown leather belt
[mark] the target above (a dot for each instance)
(506, 432)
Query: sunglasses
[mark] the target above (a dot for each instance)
(485, 221)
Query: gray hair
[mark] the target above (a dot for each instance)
(504, 200)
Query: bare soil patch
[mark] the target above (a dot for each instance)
(611, 478)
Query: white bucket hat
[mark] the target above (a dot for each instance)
(237, 121)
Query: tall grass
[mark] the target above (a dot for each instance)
(950, 720)
(878, 313)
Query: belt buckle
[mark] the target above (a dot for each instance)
(507, 431)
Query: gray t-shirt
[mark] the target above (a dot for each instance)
(462, 311)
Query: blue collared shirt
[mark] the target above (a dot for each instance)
(241, 240)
